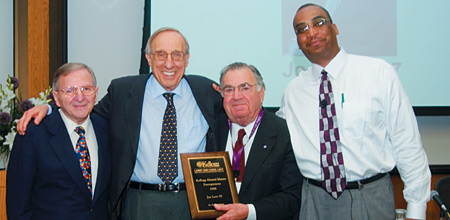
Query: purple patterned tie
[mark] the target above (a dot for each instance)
(83, 157)
(168, 163)
(331, 160)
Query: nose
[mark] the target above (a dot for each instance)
(79, 96)
(236, 94)
(169, 62)
(312, 31)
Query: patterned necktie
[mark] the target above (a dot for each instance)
(83, 157)
(239, 156)
(168, 162)
(332, 162)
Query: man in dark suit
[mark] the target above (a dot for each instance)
(135, 107)
(52, 174)
(267, 178)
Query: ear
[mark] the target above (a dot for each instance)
(56, 98)
(187, 59)
(96, 93)
(261, 94)
(216, 87)
(335, 29)
(149, 59)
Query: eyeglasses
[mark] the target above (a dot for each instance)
(72, 91)
(162, 55)
(316, 22)
(244, 88)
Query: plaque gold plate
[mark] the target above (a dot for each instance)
(209, 180)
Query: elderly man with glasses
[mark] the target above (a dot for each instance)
(266, 173)
(61, 168)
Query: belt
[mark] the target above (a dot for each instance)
(172, 187)
(353, 184)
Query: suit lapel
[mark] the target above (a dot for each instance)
(201, 96)
(133, 105)
(223, 131)
(262, 145)
(103, 173)
(61, 144)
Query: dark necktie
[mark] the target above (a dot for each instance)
(332, 162)
(168, 162)
(239, 154)
(83, 157)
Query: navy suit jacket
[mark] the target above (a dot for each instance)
(272, 181)
(44, 179)
(122, 106)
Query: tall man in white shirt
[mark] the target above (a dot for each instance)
(268, 179)
(375, 129)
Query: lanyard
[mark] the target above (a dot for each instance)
(237, 156)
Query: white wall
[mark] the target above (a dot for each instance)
(6, 42)
(6, 39)
(106, 35)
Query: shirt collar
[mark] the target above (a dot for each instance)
(333, 68)
(157, 90)
(71, 125)
(236, 127)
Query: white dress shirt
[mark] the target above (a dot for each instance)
(232, 138)
(377, 126)
(91, 141)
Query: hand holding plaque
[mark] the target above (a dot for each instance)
(209, 180)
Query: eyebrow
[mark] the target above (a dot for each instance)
(242, 84)
(319, 16)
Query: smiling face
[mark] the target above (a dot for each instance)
(168, 72)
(319, 44)
(76, 108)
(242, 108)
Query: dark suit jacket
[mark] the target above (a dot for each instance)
(44, 179)
(122, 106)
(272, 181)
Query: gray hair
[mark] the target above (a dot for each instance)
(67, 69)
(240, 65)
(148, 48)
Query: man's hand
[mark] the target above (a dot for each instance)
(216, 87)
(232, 211)
(37, 112)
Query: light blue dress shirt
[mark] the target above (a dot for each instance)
(191, 129)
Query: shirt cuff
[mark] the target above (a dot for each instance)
(416, 211)
(49, 111)
(251, 212)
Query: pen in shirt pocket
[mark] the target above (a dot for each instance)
(342, 100)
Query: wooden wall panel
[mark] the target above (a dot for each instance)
(2, 194)
(38, 46)
(31, 44)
